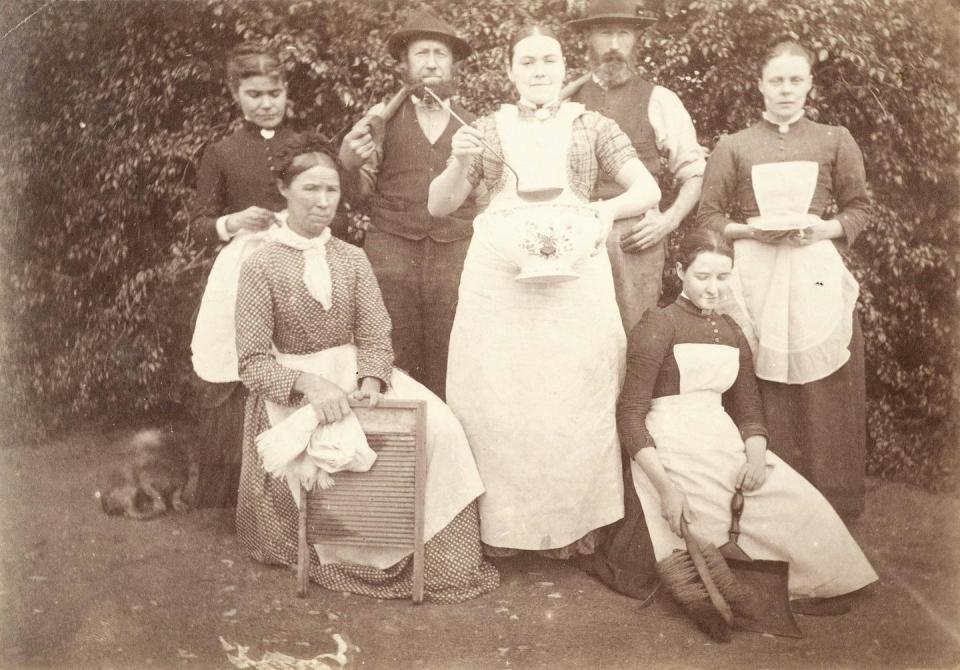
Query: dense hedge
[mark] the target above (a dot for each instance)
(107, 105)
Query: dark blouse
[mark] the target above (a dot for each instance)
(728, 184)
(274, 309)
(652, 370)
(235, 173)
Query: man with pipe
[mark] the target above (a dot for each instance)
(417, 258)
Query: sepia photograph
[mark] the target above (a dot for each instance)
(501, 334)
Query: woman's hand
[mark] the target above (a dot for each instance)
(328, 400)
(369, 390)
(252, 218)
(674, 507)
(753, 473)
(466, 143)
(822, 230)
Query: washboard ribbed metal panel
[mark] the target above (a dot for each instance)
(380, 507)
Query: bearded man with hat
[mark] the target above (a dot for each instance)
(417, 258)
(659, 126)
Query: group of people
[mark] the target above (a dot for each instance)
(575, 419)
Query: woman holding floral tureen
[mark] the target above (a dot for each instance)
(537, 349)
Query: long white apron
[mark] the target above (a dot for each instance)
(701, 450)
(452, 477)
(795, 304)
(534, 374)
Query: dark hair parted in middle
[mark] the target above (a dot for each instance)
(787, 47)
(528, 31)
(302, 152)
(251, 59)
(699, 241)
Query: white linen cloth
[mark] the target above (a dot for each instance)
(452, 477)
(214, 345)
(534, 373)
(214, 342)
(700, 448)
(298, 449)
(795, 304)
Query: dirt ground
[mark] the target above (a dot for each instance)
(83, 590)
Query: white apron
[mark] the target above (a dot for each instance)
(534, 374)
(452, 478)
(701, 450)
(795, 304)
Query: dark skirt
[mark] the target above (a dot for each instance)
(219, 444)
(624, 559)
(820, 429)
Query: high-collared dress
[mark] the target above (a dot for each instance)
(690, 392)
(281, 330)
(818, 427)
(534, 369)
(235, 173)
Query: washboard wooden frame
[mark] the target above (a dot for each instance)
(383, 506)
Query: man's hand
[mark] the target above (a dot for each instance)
(648, 231)
(357, 145)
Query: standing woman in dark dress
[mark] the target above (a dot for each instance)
(236, 192)
(773, 188)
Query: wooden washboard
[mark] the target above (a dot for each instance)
(381, 507)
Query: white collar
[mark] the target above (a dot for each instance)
(783, 126)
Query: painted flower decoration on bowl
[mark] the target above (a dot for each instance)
(545, 241)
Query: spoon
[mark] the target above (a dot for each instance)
(527, 195)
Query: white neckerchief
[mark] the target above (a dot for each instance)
(783, 127)
(316, 270)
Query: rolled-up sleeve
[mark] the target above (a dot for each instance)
(613, 148)
(675, 134)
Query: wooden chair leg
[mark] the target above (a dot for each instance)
(420, 494)
(303, 550)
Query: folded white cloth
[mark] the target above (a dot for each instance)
(302, 452)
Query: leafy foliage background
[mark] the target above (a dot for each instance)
(108, 104)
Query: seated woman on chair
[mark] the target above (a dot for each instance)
(311, 328)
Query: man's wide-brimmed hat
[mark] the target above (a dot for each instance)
(632, 12)
(425, 25)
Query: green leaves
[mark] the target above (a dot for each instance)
(108, 105)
